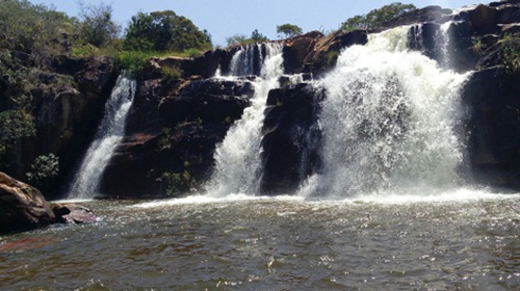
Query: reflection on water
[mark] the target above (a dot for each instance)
(274, 244)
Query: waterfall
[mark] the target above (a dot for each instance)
(108, 136)
(237, 158)
(243, 61)
(388, 122)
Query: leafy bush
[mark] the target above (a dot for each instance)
(44, 169)
(510, 53)
(15, 124)
(377, 17)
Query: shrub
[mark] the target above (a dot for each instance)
(44, 169)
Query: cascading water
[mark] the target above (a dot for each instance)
(388, 122)
(243, 61)
(238, 157)
(109, 135)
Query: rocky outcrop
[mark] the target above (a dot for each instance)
(325, 52)
(296, 50)
(22, 207)
(291, 138)
(172, 134)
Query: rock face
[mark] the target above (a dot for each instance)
(68, 97)
(22, 207)
(493, 121)
(172, 133)
(291, 138)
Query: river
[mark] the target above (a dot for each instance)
(468, 240)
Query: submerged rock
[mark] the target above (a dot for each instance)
(73, 214)
(22, 207)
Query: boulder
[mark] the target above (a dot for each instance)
(22, 207)
(291, 138)
(296, 49)
(73, 214)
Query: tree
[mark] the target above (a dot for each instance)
(377, 17)
(258, 37)
(164, 31)
(288, 30)
(236, 39)
(97, 27)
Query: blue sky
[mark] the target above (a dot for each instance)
(224, 18)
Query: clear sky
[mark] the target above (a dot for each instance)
(224, 18)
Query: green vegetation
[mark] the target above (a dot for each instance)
(240, 39)
(478, 46)
(177, 183)
(44, 169)
(97, 27)
(288, 30)
(164, 31)
(510, 53)
(27, 27)
(377, 17)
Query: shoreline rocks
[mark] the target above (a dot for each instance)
(22, 207)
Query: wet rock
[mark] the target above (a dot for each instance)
(327, 49)
(291, 138)
(207, 64)
(492, 123)
(296, 49)
(22, 207)
(73, 214)
(172, 134)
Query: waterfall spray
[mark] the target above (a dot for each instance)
(388, 122)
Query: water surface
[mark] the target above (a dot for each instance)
(245, 243)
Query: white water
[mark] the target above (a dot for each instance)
(237, 158)
(109, 135)
(388, 123)
(242, 63)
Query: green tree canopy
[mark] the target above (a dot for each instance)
(288, 30)
(164, 31)
(25, 27)
(377, 17)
